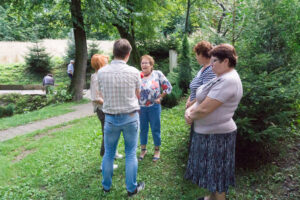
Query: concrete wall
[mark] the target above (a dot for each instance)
(14, 52)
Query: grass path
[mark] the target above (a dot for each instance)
(53, 118)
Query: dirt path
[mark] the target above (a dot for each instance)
(82, 110)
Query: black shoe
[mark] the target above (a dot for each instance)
(201, 198)
(105, 191)
(140, 186)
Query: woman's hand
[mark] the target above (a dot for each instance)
(187, 117)
(187, 105)
(158, 100)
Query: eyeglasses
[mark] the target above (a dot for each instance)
(145, 63)
(214, 60)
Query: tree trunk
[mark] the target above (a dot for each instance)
(135, 55)
(78, 80)
(187, 18)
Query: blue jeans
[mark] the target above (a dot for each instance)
(113, 126)
(150, 115)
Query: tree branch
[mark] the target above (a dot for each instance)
(222, 16)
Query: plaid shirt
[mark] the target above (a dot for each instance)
(118, 83)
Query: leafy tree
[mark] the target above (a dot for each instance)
(133, 19)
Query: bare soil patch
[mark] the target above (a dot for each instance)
(23, 155)
(48, 133)
(290, 165)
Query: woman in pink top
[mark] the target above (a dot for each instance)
(211, 162)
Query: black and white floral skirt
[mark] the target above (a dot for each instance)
(211, 162)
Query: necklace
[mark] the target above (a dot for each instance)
(146, 75)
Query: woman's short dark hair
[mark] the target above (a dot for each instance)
(203, 48)
(121, 48)
(224, 51)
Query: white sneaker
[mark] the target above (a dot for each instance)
(115, 167)
(118, 156)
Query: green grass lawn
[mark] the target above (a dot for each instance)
(64, 164)
(44, 113)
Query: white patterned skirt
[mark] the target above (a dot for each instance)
(211, 162)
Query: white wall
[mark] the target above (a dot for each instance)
(14, 52)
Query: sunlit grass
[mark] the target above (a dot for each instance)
(65, 165)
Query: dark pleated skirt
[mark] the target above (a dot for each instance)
(211, 162)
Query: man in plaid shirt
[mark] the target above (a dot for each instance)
(120, 85)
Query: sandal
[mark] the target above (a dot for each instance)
(142, 157)
(154, 159)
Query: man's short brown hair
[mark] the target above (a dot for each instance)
(121, 48)
(224, 51)
(203, 48)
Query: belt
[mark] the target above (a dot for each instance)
(133, 112)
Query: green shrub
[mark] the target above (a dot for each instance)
(6, 111)
(16, 103)
(172, 99)
(185, 69)
(2, 111)
(37, 60)
(269, 105)
(29, 103)
(58, 94)
(162, 65)
(173, 77)
(9, 110)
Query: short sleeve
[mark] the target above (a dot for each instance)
(223, 90)
(164, 82)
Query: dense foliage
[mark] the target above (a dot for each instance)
(269, 68)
